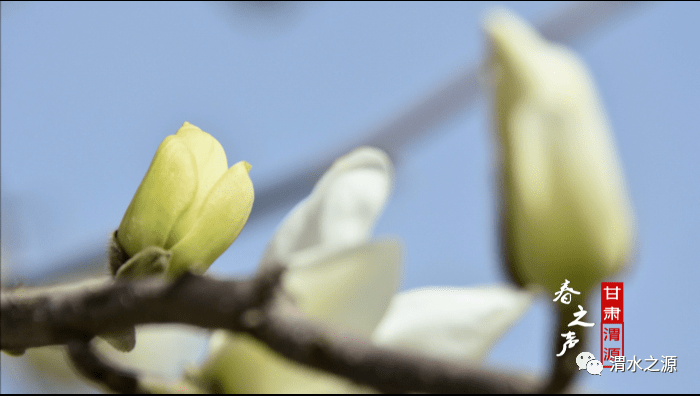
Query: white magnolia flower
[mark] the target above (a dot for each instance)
(337, 274)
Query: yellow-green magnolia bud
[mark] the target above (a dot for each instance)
(189, 203)
(566, 213)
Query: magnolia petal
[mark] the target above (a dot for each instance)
(210, 165)
(456, 323)
(350, 289)
(341, 210)
(241, 364)
(163, 350)
(164, 193)
(219, 221)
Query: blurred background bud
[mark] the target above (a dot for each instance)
(566, 213)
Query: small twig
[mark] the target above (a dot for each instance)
(418, 120)
(92, 367)
(88, 362)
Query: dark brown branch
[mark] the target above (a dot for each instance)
(31, 321)
(251, 306)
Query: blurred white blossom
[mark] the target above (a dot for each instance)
(448, 322)
(337, 274)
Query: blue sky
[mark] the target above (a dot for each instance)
(89, 90)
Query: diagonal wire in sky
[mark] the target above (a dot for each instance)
(416, 121)
(420, 119)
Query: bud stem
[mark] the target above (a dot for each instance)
(564, 368)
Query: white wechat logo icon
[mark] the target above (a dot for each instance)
(594, 367)
(583, 358)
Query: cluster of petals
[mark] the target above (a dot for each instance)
(337, 273)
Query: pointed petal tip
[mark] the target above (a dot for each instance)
(368, 154)
(247, 166)
(504, 27)
(186, 126)
(499, 16)
(364, 157)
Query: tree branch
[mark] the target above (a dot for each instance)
(255, 306)
(32, 320)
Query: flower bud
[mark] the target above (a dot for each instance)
(566, 213)
(189, 203)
